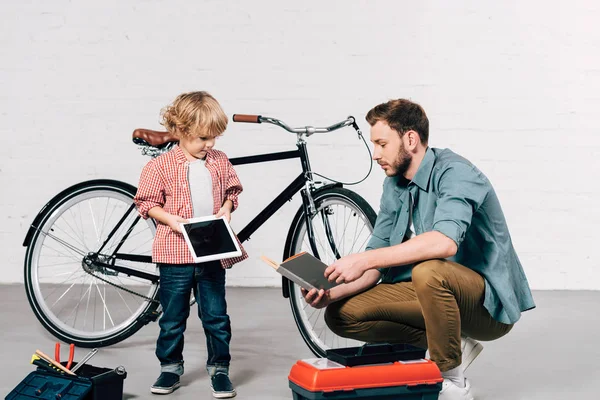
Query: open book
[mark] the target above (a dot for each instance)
(303, 269)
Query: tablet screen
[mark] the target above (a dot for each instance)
(209, 237)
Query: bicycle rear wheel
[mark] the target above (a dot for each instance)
(93, 306)
(350, 220)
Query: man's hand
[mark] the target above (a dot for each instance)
(317, 298)
(173, 222)
(225, 210)
(347, 269)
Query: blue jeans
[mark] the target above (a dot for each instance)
(207, 280)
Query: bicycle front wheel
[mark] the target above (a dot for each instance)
(342, 225)
(90, 305)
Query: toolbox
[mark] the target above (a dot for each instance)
(90, 383)
(367, 373)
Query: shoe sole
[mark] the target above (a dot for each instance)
(472, 355)
(157, 390)
(226, 395)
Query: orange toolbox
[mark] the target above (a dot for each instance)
(385, 371)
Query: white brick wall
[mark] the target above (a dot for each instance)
(514, 86)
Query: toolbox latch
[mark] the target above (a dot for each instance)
(337, 392)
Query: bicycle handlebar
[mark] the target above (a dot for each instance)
(307, 130)
(253, 119)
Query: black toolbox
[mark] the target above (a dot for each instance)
(375, 354)
(90, 383)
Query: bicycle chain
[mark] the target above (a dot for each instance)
(87, 269)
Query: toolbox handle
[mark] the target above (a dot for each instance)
(338, 392)
(65, 390)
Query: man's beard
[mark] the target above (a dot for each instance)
(402, 161)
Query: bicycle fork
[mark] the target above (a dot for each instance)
(310, 210)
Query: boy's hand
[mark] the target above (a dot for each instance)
(173, 222)
(225, 210)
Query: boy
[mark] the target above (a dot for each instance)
(191, 180)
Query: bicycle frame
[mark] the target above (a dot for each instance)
(303, 183)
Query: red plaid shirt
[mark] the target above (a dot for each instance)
(164, 183)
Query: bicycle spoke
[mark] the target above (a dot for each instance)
(65, 244)
(76, 232)
(105, 216)
(59, 264)
(356, 238)
(104, 308)
(87, 306)
(122, 298)
(98, 241)
(76, 307)
(63, 295)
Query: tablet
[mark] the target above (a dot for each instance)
(210, 238)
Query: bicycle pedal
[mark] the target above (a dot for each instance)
(150, 316)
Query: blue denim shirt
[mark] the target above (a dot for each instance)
(451, 196)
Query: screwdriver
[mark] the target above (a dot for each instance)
(35, 360)
(84, 360)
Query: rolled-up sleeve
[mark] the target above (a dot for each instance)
(462, 190)
(233, 187)
(151, 190)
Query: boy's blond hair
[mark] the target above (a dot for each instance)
(194, 114)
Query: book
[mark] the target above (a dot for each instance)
(303, 269)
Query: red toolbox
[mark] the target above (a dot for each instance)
(322, 378)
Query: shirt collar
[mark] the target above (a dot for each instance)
(180, 157)
(422, 177)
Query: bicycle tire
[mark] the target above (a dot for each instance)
(58, 225)
(312, 327)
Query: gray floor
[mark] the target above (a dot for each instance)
(552, 353)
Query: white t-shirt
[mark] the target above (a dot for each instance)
(200, 183)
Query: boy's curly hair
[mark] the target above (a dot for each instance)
(194, 114)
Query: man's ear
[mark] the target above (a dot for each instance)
(412, 140)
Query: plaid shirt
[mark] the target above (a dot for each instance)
(164, 183)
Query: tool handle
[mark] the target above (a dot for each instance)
(45, 366)
(71, 354)
(51, 361)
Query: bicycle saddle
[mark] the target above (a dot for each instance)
(152, 138)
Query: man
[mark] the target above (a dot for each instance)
(441, 248)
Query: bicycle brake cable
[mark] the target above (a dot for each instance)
(360, 136)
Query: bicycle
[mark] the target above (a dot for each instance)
(89, 275)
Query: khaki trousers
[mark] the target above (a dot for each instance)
(443, 302)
